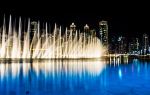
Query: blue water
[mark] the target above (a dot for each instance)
(74, 78)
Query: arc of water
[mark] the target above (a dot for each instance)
(14, 46)
(9, 39)
(26, 51)
(72, 44)
(19, 39)
(3, 47)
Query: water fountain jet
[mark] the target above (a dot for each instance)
(45, 45)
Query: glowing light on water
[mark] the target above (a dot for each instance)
(2, 70)
(68, 44)
(52, 67)
(120, 73)
(69, 67)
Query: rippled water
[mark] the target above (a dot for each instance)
(74, 77)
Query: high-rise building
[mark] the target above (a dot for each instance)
(134, 46)
(103, 30)
(122, 46)
(145, 46)
(71, 32)
(137, 45)
(113, 46)
(34, 26)
(131, 48)
(86, 28)
(87, 31)
(93, 32)
(73, 27)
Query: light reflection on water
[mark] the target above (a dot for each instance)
(75, 77)
(48, 76)
(50, 67)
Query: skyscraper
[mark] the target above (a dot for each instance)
(103, 30)
(73, 27)
(134, 46)
(93, 32)
(137, 44)
(34, 26)
(122, 45)
(145, 45)
(86, 28)
(87, 31)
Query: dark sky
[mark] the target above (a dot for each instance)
(121, 22)
(66, 18)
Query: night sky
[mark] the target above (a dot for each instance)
(121, 23)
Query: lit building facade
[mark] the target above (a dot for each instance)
(134, 47)
(103, 30)
(122, 45)
(86, 29)
(72, 29)
(145, 46)
(131, 48)
(34, 26)
(137, 46)
(93, 32)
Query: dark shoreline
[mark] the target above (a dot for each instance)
(107, 57)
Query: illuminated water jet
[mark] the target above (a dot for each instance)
(18, 43)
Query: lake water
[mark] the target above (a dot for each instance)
(74, 77)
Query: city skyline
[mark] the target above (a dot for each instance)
(120, 25)
(65, 18)
(123, 20)
(114, 44)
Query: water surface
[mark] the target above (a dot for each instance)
(74, 77)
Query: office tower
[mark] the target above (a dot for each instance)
(72, 30)
(134, 47)
(93, 32)
(131, 48)
(34, 26)
(87, 31)
(122, 45)
(86, 28)
(103, 30)
(73, 27)
(145, 45)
